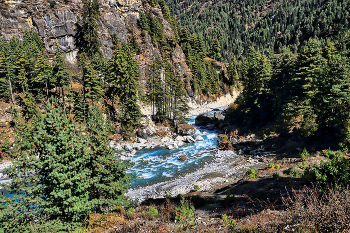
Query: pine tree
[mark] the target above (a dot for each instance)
(123, 75)
(60, 73)
(74, 175)
(88, 38)
(215, 50)
(41, 80)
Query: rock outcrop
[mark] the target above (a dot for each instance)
(57, 23)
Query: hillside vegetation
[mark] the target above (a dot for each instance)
(260, 23)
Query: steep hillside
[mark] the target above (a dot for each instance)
(262, 23)
(57, 23)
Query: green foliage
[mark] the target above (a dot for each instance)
(251, 173)
(303, 165)
(123, 75)
(228, 222)
(335, 171)
(294, 172)
(130, 213)
(88, 36)
(276, 175)
(74, 174)
(304, 155)
(185, 215)
(152, 212)
(271, 165)
(261, 23)
(215, 50)
(196, 188)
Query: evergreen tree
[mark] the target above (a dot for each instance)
(88, 38)
(215, 50)
(123, 75)
(60, 73)
(65, 176)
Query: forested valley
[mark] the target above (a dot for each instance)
(67, 125)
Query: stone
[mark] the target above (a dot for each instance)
(179, 139)
(189, 139)
(197, 132)
(205, 118)
(199, 138)
(180, 143)
(186, 129)
(145, 132)
(128, 147)
(182, 158)
(219, 116)
(170, 147)
(141, 140)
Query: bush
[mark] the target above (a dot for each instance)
(294, 172)
(304, 155)
(303, 165)
(276, 175)
(196, 188)
(185, 215)
(336, 171)
(277, 166)
(271, 165)
(130, 213)
(251, 173)
(152, 213)
(228, 222)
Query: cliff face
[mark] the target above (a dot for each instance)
(56, 22)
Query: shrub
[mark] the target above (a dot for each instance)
(130, 213)
(277, 166)
(303, 165)
(304, 155)
(152, 213)
(228, 222)
(224, 138)
(336, 171)
(196, 188)
(185, 215)
(271, 165)
(294, 172)
(230, 198)
(327, 211)
(276, 175)
(251, 173)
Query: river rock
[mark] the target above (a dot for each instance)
(219, 117)
(182, 158)
(205, 118)
(199, 138)
(189, 139)
(141, 140)
(180, 143)
(170, 147)
(186, 129)
(197, 132)
(128, 147)
(179, 139)
(145, 132)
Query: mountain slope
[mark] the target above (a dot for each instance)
(262, 23)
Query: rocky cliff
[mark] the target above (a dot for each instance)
(56, 22)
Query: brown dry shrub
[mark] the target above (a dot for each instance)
(226, 145)
(167, 211)
(326, 211)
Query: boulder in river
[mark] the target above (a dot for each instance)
(189, 139)
(219, 117)
(179, 138)
(182, 158)
(199, 138)
(186, 129)
(205, 118)
(145, 132)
